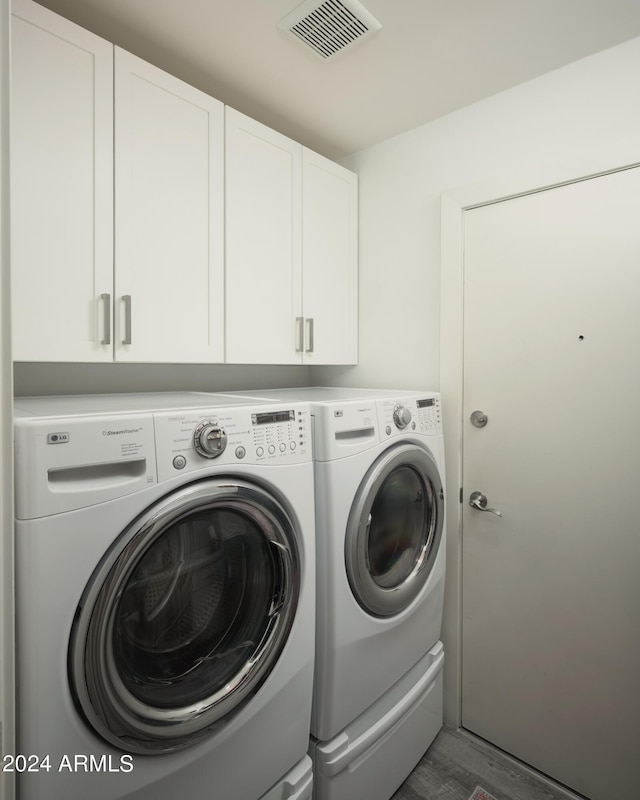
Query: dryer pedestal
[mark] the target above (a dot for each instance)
(374, 755)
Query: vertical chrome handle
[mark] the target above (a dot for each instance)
(367, 550)
(126, 299)
(299, 334)
(106, 299)
(287, 578)
(309, 323)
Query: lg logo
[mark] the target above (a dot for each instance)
(60, 437)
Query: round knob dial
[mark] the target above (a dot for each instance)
(209, 439)
(401, 416)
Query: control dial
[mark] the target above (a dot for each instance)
(209, 439)
(401, 416)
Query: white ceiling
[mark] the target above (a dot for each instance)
(431, 57)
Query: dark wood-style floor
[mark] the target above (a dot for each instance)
(456, 763)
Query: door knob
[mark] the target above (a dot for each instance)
(478, 501)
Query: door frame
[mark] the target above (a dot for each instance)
(453, 206)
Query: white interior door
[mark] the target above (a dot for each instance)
(551, 593)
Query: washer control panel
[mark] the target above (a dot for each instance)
(200, 438)
(418, 414)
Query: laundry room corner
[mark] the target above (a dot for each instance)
(249, 315)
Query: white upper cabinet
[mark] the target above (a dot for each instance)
(169, 230)
(330, 261)
(61, 188)
(263, 243)
(229, 241)
(291, 251)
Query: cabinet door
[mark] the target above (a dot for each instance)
(263, 245)
(330, 261)
(169, 192)
(61, 188)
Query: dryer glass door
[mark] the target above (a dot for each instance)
(394, 530)
(186, 616)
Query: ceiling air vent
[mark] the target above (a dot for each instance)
(331, 26)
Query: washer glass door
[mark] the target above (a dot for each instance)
(394, 530)
(186, 616)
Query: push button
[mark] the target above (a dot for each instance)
(179, 462)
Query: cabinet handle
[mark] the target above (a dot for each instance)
(106, 299)
(299, 334)
(126, 299)
(309, 347)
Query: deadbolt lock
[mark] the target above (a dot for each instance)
(479, 419)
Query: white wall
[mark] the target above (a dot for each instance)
(38, 378)
(586, 107)
(6, 457)
(577, 120)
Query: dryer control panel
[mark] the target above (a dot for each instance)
(237, 435)
(416, 414)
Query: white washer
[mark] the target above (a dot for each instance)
(165, 563)
(380, 533)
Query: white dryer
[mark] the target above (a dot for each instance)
(165, 563)
(380, 533)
